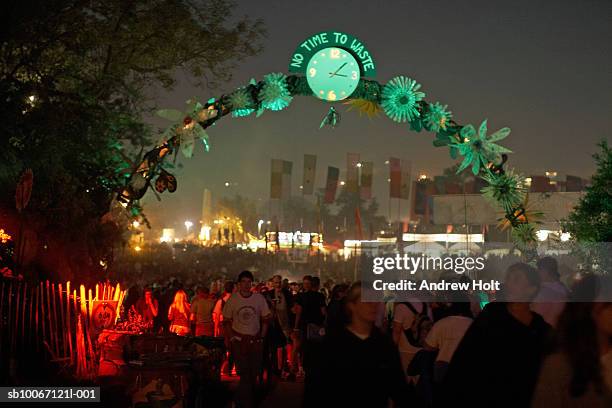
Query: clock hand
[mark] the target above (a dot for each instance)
(341, 66)
(331, 74)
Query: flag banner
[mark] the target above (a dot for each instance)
(395, 175)
(365, 185)
(405, 179)
(276, 178)
(310, 169)
(352, 180)
(333, 174)
(358, 226)
(286, 179)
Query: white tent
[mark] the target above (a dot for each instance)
(464, 248)
(432, 249)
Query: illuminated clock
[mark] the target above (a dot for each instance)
(333, 74)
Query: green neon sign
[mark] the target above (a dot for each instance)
(306, 50)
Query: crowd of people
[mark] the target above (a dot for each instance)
(530, 346)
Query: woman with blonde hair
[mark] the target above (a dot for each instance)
(178, 314)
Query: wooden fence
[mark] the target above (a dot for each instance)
(55, 319)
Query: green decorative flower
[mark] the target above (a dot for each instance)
(478, 149)
(437, 117)
(399, 99)
(274, 94)
(507, 189)
(241, 103)
(524, 235)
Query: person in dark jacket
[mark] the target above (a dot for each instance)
(497, 362)
(359, 365)
(280, 302)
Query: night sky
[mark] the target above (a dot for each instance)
(542, 68)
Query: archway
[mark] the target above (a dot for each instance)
(334, 66)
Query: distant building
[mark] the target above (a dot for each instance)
(444, 204)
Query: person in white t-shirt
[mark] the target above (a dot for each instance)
(245, 323)
(551, 298)
(446, 334)
(402, 320)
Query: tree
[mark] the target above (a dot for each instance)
(590, 223)
(76, 79)
(243, 208)
(371, 222)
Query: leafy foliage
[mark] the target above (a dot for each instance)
(75, 81)
(590, 224)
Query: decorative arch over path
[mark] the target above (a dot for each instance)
(401, 99)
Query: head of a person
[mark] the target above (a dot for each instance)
(307, 283)
(276, 281)
(522, 283)
(148, 294)
(203, 291)
(548, 269)
(356, 309)
(316, 283)
(229, 287)
(460, 306)
(339, 291)
(245, 281)
(286, 283)
(586, 322)
(180, 299)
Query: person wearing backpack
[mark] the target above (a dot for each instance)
(411, 322)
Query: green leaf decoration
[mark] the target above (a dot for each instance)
(170, 114)
(436, 117)
(169, 133)
(416, 125)
(241, 103)
(524, 235)
(274, 94)
(399, 99)
(478, 150)
(188, 142)
(331, 119)
(507, 189)
(193, 108)
(203, 136)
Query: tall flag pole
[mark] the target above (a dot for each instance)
(406, 180)
(395, 180)
(358, 223)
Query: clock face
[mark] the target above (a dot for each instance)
(333, 74)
